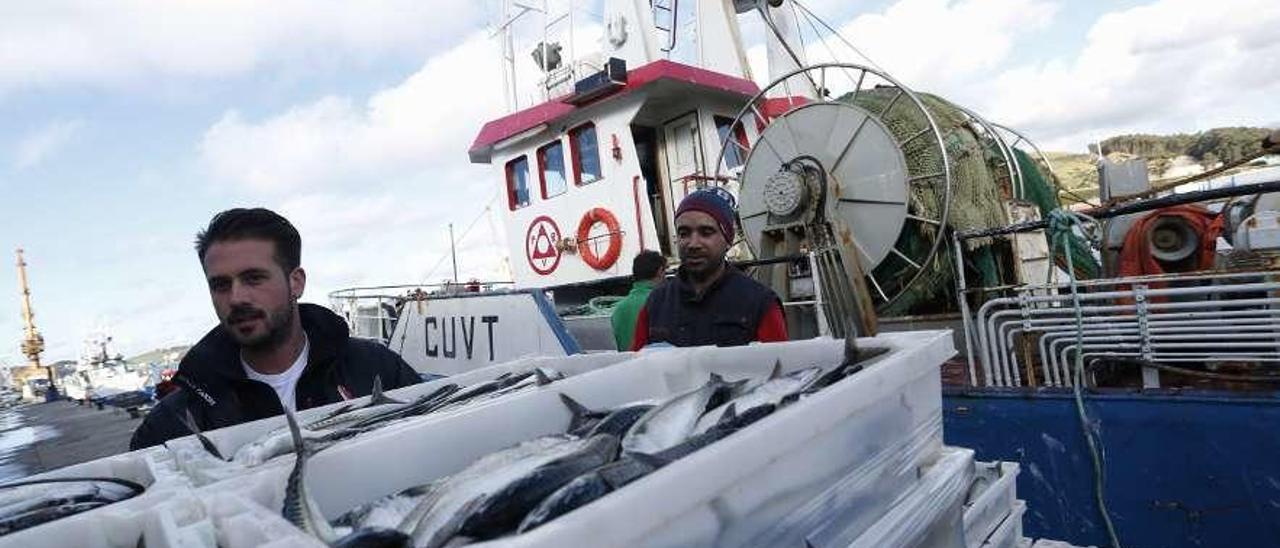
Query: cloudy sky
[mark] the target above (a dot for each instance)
(125, 125)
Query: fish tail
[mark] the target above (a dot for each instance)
(189, 421)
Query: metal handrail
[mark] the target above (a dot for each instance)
(997, 370)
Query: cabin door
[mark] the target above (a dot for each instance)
(683, 151)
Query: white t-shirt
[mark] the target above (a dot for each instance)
(284, 383)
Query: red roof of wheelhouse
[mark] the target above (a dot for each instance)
(515, 123)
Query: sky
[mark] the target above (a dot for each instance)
(124, 126)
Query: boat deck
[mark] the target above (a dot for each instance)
(39, 437)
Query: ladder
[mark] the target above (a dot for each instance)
(664, 19)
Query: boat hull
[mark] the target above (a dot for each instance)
(1182, 469)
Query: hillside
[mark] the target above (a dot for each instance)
(1168, 156)
(1224, 144)
(1077, 174)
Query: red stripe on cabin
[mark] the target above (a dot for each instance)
(515, 123)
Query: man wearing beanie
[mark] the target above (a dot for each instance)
(708, 302)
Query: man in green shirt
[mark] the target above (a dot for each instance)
(647, 271)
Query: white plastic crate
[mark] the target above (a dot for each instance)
(928, 514)
(726, 494)
(1009, 533)
(116, 525)
(226, 520)
(204, 469)
(990, 500)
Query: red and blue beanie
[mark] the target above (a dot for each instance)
(716, 202)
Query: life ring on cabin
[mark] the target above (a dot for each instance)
(593, 216)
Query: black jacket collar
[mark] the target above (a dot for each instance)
(216, 358)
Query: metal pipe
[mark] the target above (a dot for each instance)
(1159, 320)
(1216, 314)
(1153, 278)
(1188, 357)
(987, 335)
(964, 315)
(1172, 291)
(820, 312)
(1114, 343)
(1051, 375)
(1179, 357)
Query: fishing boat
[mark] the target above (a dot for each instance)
(1123, 355)
(99, 376)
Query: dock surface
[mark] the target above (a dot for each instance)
(36, 438)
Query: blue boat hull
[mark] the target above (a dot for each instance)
(1182, 469)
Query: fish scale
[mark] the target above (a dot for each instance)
(674, 419)
(442, 515)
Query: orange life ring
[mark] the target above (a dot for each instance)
(593, 216)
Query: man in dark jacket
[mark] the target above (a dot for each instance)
(269, 352)
(708, 301)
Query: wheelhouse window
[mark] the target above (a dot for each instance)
(584, 151)
(518, 182)
(551, 170)
(734, 154)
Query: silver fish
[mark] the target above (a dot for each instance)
(575, 494)
(340, 424)
(378, 403)
(770, 392)
(673, 420)
(443, 514)
(503, 510)
(299, 508)
(28, 503)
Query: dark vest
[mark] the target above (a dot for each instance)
(727, 314)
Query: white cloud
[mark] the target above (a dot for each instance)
(943, 43)
(43, 143)
(1171, 65)
(413, 128)
(127, 43)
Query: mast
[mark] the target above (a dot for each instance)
(32, 342)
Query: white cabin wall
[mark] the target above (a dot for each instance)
(633, 21)
(720, 39)
(613, 192)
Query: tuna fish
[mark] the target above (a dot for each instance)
(496, 491)
(575, 494)
(587, 422)
(772, 392)
(674, 419)
(503, 510)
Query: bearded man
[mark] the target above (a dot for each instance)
(268, 352)
(708, 301)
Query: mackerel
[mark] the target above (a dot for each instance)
(495, 488)
(674, 419)
(301, 510)
(772, 392)
(575, 494)
(378, 403)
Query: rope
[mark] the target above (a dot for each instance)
(837, 34)
(1061, 222)
(459, 239)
